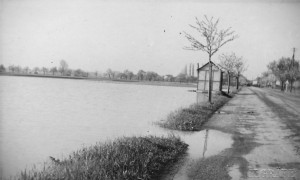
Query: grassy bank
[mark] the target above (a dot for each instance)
(193, 117)
(124, 158)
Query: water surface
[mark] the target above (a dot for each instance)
(42, 117)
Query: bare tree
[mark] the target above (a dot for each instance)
(26, 69)
(2, 68)
(285, 69)
(36, 70)
(53, 70)
(235, 64)
(109, 72)
(63, 67)
(45, 70)
(212, 40)
(128, 74)
(11, 68)
(18, 69)
(141, 74)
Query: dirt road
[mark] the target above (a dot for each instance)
(265, 127)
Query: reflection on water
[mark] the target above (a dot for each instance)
(205, 142)
(234, 172)
(42, 117)
(202, 145)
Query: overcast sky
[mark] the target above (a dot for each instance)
(97, 35)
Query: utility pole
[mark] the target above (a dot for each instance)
(293, 58)
(197, 77)
(293, 69)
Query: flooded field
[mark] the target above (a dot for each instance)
(42, 117)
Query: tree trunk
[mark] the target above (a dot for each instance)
(210, 80)
(228, 88)
(197, 76)
(221, 81)
(237, 81)
(291, 88)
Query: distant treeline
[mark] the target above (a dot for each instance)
(285, 70)
(64, 71)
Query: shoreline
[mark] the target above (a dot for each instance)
(105, 80)
(145, 157)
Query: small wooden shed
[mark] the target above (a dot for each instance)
(203, 77)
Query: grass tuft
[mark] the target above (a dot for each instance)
(124, 158)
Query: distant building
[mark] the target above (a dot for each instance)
(189, 70)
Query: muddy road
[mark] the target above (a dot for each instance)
(265, 128)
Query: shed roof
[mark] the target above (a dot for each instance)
(215, 65)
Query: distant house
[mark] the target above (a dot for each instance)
(217, 77)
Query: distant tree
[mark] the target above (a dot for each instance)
(63, 67)
(36, 70)
(117, 74)
(68, 72)
(18, 69)
(121, 75)
(140, 75)
(233, 63)
(159, 78)
(181, 77)
(2, 68)
(151, 76)
(113, 74)
(128, 74)
(191, 79)
(26, 69)
(293, 72)
(169, 77)
(212, 40)
(53, 70)
(109, 72)
(264, 78)
(45, 70)
(279, 69)
(11, 68)
(273, 67)
(78, 72)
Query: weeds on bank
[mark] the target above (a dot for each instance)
(193, 117)
(124, 158)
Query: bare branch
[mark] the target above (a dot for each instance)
(215, 39)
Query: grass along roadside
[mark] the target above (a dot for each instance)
(123, 158)
(193, 117)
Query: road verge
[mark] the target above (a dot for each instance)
(193, 117)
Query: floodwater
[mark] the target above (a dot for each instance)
(42, 117)
(202, 144)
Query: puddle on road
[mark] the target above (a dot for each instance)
(206, 143)
(201, 145)
(234, 172)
